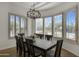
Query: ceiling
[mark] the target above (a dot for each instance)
(38, 5)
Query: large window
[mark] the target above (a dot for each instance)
(70, 24)
(48, 25)
(53, 25)
(23, 23)
(39, 25)
(16, 25)
(57, 23)
(12, 25)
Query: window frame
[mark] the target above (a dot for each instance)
(15, 24)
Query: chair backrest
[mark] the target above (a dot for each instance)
(16, 38)
(21, 34)
(58, 48)
(40, 35)
(48, 37)
(29, 45)
(32, 36)
(21, 42)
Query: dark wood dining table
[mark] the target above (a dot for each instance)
(44, 45)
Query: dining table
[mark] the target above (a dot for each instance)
(44, 45)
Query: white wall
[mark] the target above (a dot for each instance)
(6, 8)
(4, 41)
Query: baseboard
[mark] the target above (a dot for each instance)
(7, 47)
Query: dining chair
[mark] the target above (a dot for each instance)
(48, 37)
(20, 47)
(21, 34)
(32, 36)
(57, 52)
(17, 43)
(58, 48)
(32, 52)
(40, 36)
(23, 48)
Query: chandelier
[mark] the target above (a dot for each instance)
(32, 13)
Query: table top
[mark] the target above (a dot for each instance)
(44, 44)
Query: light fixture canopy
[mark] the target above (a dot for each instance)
(32, 13)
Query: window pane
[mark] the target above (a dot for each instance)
(70, 24)
(12, 26)
(22, 25)
(57, 26)
(39, 25)
(48, 25)
(17, 25)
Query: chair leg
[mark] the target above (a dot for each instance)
(20, 52)
(17, 49)
(28, 53)
(24, 53)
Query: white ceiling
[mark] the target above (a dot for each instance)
(38, 5)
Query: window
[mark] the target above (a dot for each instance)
(48, 25)
(16, 25)
(39, 25)
(57, 29)
(12, 25)
(23, 24)
(70, 24)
